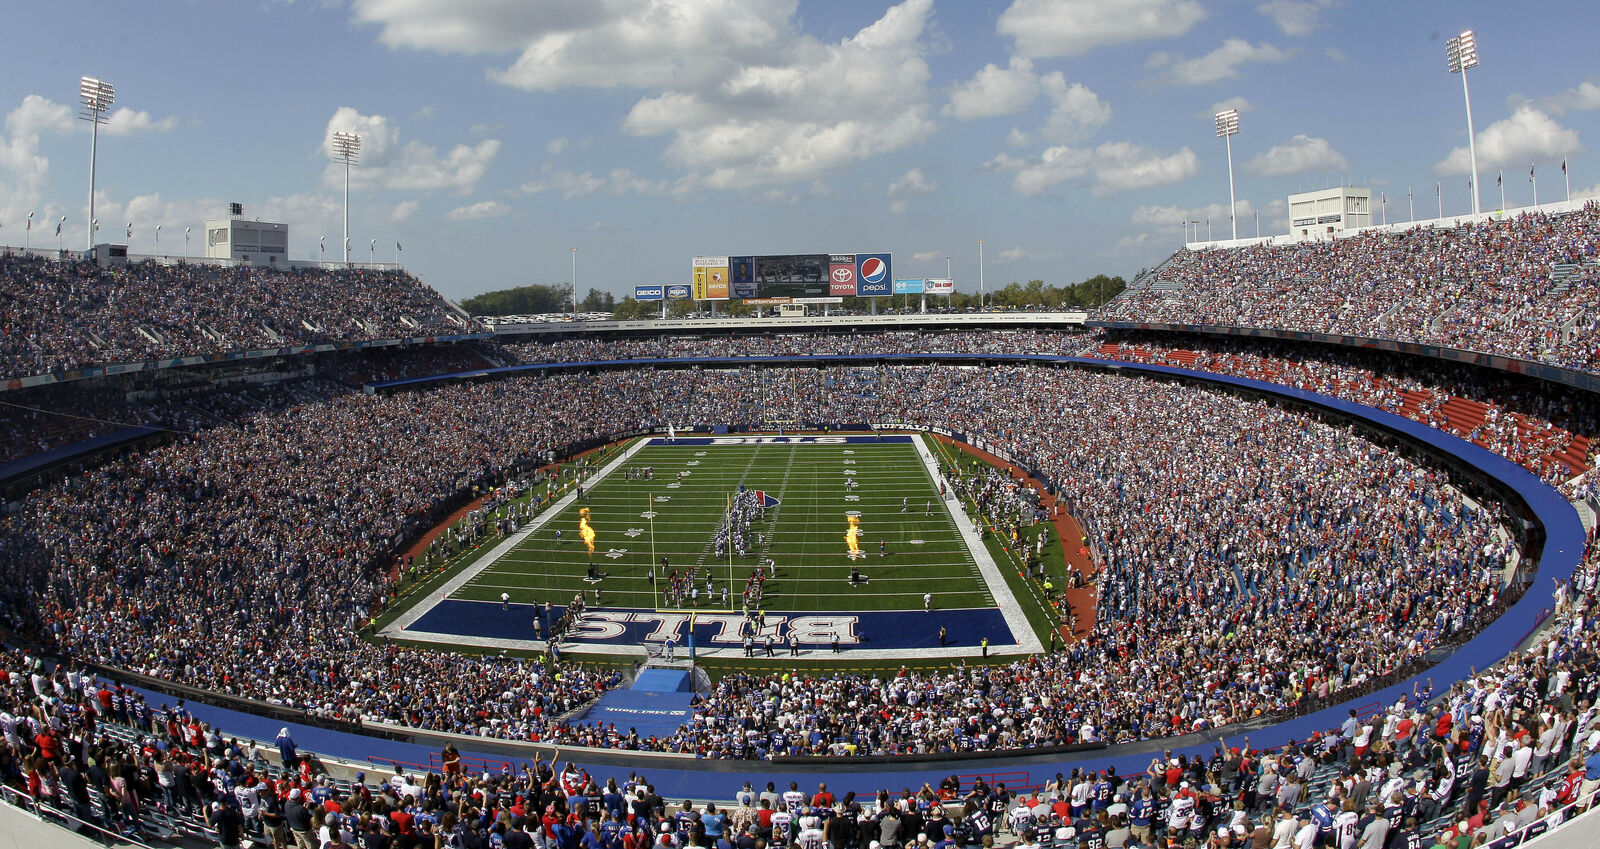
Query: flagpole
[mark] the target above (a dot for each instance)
(1412, 203)
(1564, 176)
(1438, 194)
(1501, 182)
(1534, 179)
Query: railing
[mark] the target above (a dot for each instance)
(51, 814)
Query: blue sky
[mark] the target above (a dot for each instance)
(1072, 136)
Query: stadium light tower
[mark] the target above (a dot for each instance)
(575, 285)
(1461, 53)
(1227, 128)
(346, 149)
(97, 97)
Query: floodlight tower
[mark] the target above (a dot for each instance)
(97, 97)
(1461, 53)
(346, 149)
(1227, 128)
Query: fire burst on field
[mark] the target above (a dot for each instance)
(852, 536)
(584, 530)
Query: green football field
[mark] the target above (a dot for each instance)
(922, 551)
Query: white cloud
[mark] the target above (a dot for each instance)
(1295, 17)
(744, 95)
(1238, 103)
(620, 181)
(822, 107)
(1299, 155)
(1528, 135)
(127, 122)
(26, 172)
(1069, 27)
(1124, 166)
(1584, 96)
(1077, 113)
(413, 166)
(403, 210)
(1220, 64)
(994, 91)
(927, 256)
(39, 116)
(1591, 192)
(912, 184)
(478, 211)
(1114, 167)
(596, 224)
(1012, 254)
(556, 145)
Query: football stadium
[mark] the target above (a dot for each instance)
(1286, 540)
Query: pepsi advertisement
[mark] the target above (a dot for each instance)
(873, 276)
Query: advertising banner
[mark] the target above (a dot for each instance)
(647, 293)
(742, 276)
(873, 277)
(710, 278)
(841, 274)
(938, 286)
(678, 292)
(716, 284)
(908, 286)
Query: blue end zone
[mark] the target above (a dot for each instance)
(897, 629)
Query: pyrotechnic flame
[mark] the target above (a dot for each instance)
(584, 530)
(851, 534)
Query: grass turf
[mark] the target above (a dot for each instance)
(922, 550)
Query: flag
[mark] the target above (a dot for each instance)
(1530, 172)
(58, 228)
(1563, 165)
(765, 499)
(30, 215)
(397, 247)
(1500, 180)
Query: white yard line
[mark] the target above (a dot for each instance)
(1016, 620)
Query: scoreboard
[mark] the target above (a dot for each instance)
(796, 275)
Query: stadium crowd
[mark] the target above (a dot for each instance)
(795, 344)
(284, 528)
(1525, 287)
(1530, 422)
(1151, 467)
(65, 315)
(1508, 754)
